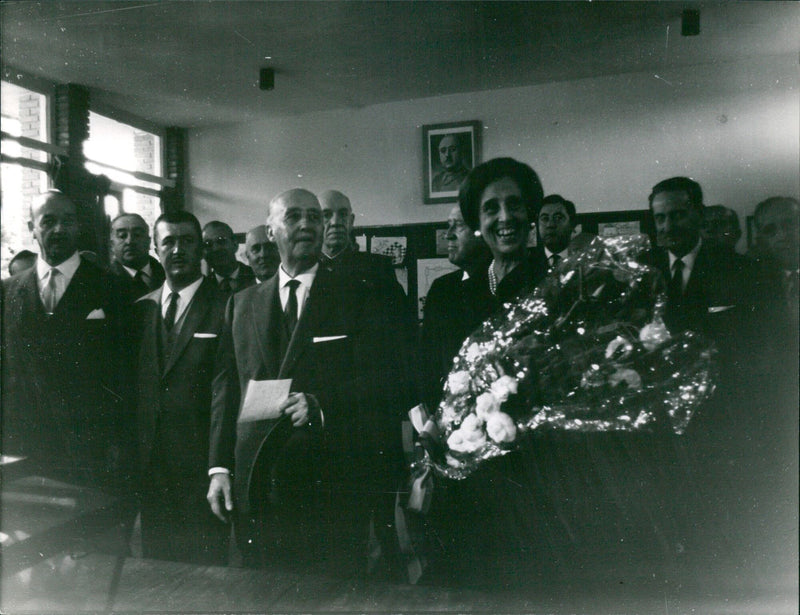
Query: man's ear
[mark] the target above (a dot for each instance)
(270, 234)
(30, 225)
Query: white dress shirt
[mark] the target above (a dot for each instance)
(67, 270)
(306, 279)
(185, 297)
(688, 262)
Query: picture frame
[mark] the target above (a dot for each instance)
(443, 171)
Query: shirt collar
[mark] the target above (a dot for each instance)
(186, 294)
(562, 255)
(464, 275)
(146, 269)
(234, 274)
(688, 259)
(66, 268)
(306, 278)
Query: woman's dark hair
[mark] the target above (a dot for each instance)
(469, 194)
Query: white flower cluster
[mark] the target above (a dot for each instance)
(488, 419)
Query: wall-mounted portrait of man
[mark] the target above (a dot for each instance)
(450, 151)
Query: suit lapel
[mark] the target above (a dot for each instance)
(262, 316)
(311, 317)
(195, 313)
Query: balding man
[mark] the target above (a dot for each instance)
(262, 254)
(64, 339)
(132, 264)
(219, 251)
(306, 484)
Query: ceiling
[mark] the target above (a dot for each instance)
(196, 63)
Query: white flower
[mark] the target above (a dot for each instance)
(503, 387)
(501, 428)
(627, 376)
(619, 345)
(473, 352)
(469, 437)
(653, 335)
(592, 377)
(485, 405)
(458, 382)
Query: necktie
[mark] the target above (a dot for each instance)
(291, 306)
(50, 292)
(675, 289)
(142, 278)
(226, 285)
(554, 260)
(172, 309)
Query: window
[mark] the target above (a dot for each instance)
(23, 176)
(131, 158)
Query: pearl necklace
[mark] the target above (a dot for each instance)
(492, 279)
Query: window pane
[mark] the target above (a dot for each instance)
(19, 186)
(124, 146)
(24, 114)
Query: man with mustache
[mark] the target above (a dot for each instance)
(453, 170)
(132, 264)
(262, 254)
(179, 326)
(65, 341)
(306, 483)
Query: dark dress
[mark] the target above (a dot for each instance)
(565, 505)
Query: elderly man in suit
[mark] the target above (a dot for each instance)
(220, 253)
(65, 331)
(262, 254)
(452, 310)
(305, 484)
(133, 266)
(179, 327)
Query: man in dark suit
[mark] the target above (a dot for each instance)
(220, 253)
(555, 222)
(306, 484)
(337, 247)
(179, 326)
(262, 254)
(65, 332)
(719, 294)
(451, 312)
(132, 265)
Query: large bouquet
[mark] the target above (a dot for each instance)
(587, 350)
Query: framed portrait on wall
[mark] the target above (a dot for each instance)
(449, 152)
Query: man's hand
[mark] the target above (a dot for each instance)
(298, 407)
(219, 491)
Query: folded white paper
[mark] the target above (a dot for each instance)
(97, 314)
(205, 336)
(329, 338)
(263, 398)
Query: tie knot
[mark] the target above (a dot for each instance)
(677, 265)
(293, 284)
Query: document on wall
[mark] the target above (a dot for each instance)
(263, 399)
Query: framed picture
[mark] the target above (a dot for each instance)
(449, 152)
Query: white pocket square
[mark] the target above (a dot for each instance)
(329, 338)
(205, 336)
(97, 314)
(716, 309)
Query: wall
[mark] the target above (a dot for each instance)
(602, 142)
